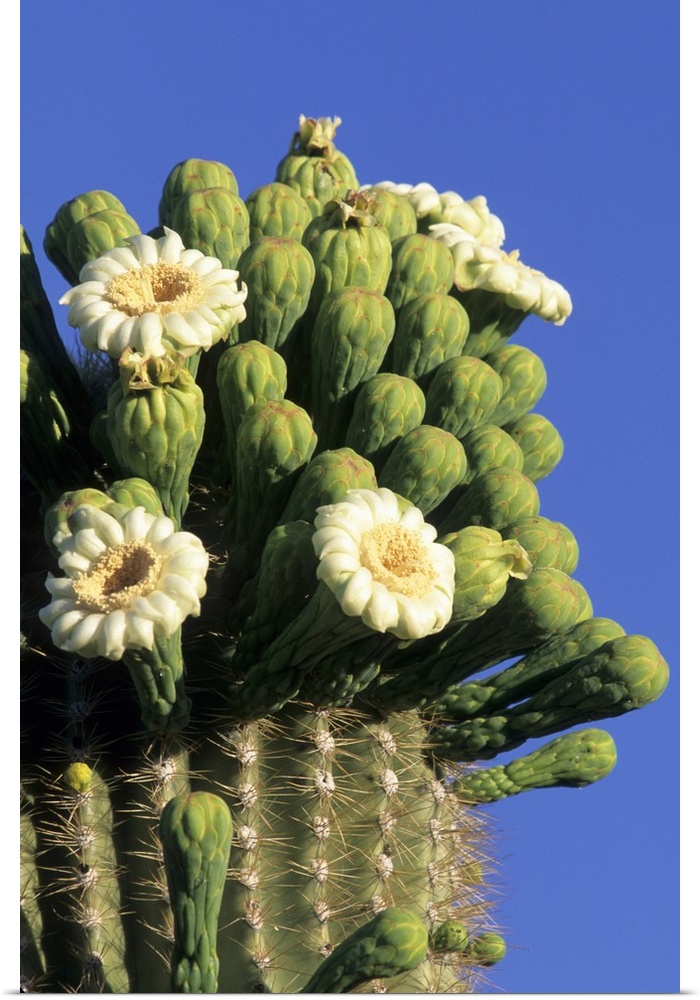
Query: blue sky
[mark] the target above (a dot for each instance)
(564, 115)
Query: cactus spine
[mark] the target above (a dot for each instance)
(275, 660)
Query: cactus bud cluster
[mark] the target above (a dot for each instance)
(300, 590)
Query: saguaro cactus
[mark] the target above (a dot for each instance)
(265, 623)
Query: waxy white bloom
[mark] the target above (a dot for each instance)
(382, 563)
(493, 270)
(155, 297)
(473, 216)
(129, 581)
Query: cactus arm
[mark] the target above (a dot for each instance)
(196, 833)
(395, 941)
(159, 679)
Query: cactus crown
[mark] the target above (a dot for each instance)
(299, 588)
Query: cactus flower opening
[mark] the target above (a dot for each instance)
(380, 559)
(155, 297)
(129, 581)
(478, 266)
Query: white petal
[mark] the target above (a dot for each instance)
(356, 592)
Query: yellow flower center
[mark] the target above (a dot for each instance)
(398, 558)
(159, 288)
(122, 574)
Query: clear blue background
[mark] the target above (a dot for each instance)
(565, 116)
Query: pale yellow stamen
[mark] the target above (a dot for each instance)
(125, 572)
(398, 558)
(160, 288)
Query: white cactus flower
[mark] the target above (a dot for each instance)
(129, 581)
(155, 297)
(381, 561)
(478, 266)
(473, 216)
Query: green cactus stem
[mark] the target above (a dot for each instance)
(196, 832)
(571, 761)
(393, 942)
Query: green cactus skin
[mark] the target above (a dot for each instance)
(277, 210)
(98, 232)
(545, 663)
(350, 337)
(524, 381)
(572, 761)
(333, 761)
(278, 273)
(196, 832)
(155, 429)
(387, 407)
(431, 328)
(490, 447)
(624, 674)
(214, 221)
(540, 442)
(547, 543)
(192, 175)
(462, 395)
(419, 266)
(424, 466)
(71, 212)
(394, 941)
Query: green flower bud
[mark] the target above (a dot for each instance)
(192, 175)
(540, 443)
(490, 447)
(524, 380)
(387, 407)
(424, 466)
(277, 210)
(419, 266)
(462, 395)
(66, 217)
(213, 221)
(547, 543)
(484, 564)
(431, 328)
(279, 274)
(89, 238)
